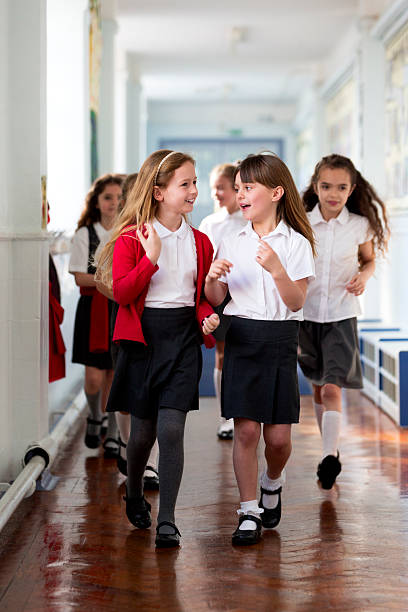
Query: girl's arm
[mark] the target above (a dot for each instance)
(367, 268)
(293, 293)
(130, 277)
(83, 279)
(215, 290)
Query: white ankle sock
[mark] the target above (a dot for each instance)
(331, 424)
(123, 421)
(112, 430)
(217, 385)
(271, 501)
(226, 425)
(318, 408)
(249, 507)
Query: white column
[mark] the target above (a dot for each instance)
(134, 108)
(107, 96)
(371, 69)
(371, 88)
(23, 246)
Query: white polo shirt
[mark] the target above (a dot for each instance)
(174, 283)
(337, 244)
(80, 247)
(220, 224)
(254, 294)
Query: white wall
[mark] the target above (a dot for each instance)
(67, 111)
(23, 247)
(68, 157)
(363, 53)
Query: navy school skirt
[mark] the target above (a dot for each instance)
(80, 348)
(259, 380)
(163, 374)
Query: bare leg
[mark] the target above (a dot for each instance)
(246, 438)
(278, 446)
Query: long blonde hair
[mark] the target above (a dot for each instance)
(141, 205)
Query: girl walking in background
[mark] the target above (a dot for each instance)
(227, 220)
(343, 209)
(91, 345)
(159, 266)
(266, 267)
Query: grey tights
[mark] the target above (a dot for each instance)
(170, 434)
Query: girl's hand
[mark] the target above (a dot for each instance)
(357, 284)
(268, 259)
(210, 323)
(150, 241)
(218, 268)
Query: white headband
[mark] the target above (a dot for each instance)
(161, 163)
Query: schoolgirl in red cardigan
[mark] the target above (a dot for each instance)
(91, 346)
(158, 264)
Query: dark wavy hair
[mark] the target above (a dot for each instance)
(90, 213)
(269, 170)
(363, 201)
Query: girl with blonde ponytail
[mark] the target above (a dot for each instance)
(156, 264)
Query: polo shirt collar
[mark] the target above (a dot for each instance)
(164, 232)
(316, 216)
(281, 228)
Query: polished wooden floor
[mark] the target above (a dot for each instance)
(346, 549)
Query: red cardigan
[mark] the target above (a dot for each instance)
(132, 271)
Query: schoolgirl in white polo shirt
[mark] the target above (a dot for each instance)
(266, 267)
(343, 209)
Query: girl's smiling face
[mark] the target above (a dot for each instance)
(181, 192)
(333, 189)
(108, 201)
(256, 201)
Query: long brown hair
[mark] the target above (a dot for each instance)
(141, 205)
(363, 200)
(91, 214)
(269, 170)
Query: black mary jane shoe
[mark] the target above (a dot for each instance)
(328, 470)
(92, 440)
(151, 483)
(138, 511)
(104, 426)
(120, 462)
(111, 448)
(271, 517)
(226, 435)
(167, 540)
(246, 537)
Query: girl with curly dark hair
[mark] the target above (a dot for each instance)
(350, 225)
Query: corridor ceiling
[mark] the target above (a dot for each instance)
(236, 50)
